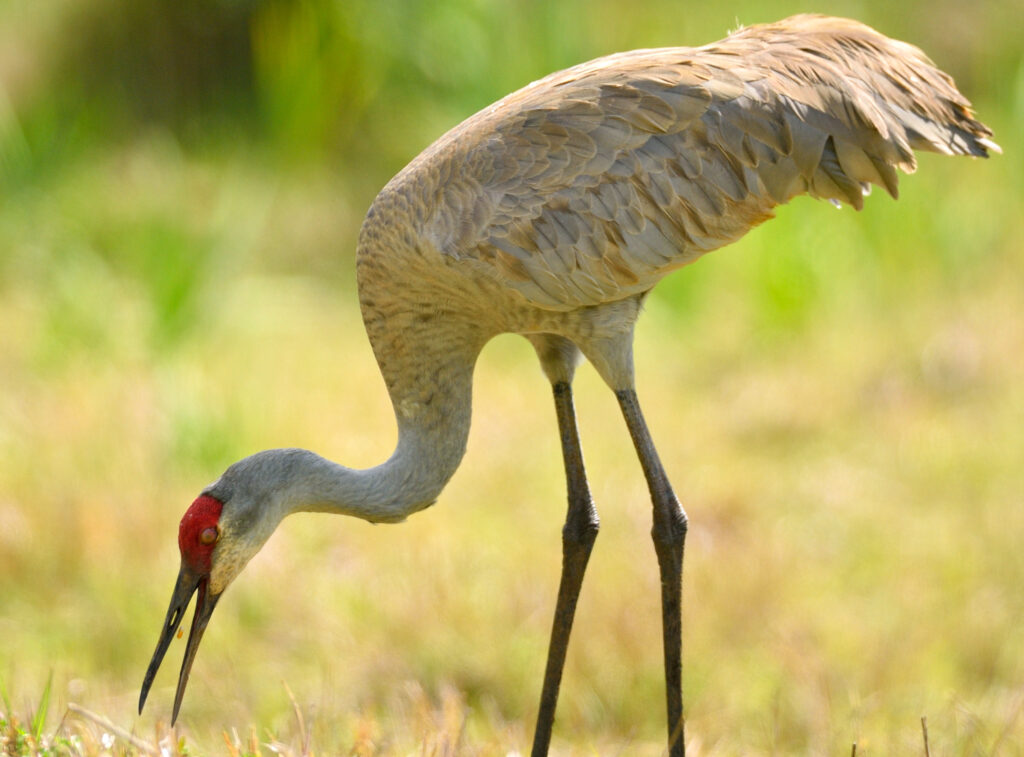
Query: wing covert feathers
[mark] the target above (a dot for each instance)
(592, 183)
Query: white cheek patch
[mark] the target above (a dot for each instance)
(228, 561)
(235, 548)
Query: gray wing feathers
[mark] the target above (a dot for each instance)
(594, 182)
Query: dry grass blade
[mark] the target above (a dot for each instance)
(924, 732)
(231, 744)
(304, 735)
(106, 724)
(1007, 729)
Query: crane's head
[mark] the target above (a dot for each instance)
(217, 536)
(222, 530)
(199, 535)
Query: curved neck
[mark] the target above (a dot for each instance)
(428, 369)
(430, 385)
(426, 325)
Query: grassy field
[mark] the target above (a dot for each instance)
(838, 400)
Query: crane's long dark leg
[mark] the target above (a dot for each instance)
(581, 525)
(669, 534)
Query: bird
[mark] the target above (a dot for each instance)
(552, 214)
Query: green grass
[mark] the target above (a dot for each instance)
(837, 400)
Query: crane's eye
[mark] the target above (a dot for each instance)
(208, 535)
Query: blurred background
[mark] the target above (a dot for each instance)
(838, 399)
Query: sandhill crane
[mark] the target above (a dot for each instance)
(552, 214)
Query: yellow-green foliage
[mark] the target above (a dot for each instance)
(839, 400)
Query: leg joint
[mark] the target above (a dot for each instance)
(669, 528)
(582, 525)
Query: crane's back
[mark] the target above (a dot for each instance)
(591, 184)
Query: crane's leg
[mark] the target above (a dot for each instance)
(581, 525)
(669, 534)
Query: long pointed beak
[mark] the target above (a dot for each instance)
(188, 584)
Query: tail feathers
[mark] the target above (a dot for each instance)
(876, 98)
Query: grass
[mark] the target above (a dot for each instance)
(837, 399)
(852, 474)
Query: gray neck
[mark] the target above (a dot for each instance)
(430, 387)
(431, 443)
(303, 481)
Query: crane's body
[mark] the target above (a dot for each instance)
(552, 214)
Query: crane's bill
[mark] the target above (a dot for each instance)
(188, 584)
